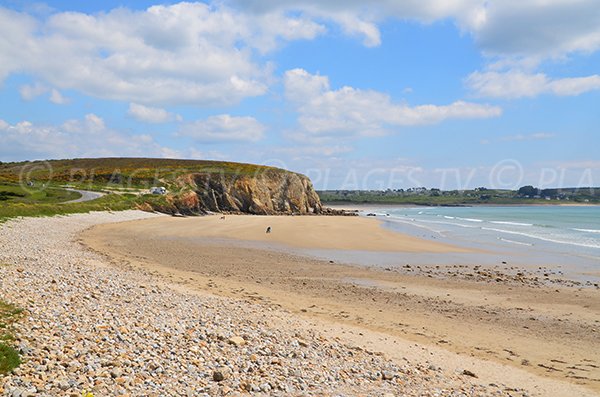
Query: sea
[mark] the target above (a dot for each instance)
(575, 228)
(560, 237)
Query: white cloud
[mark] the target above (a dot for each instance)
(151, 114)
(189, 53)
(87, 137)
(528, 28)
(195, 53)
(57, 98)
(538, 27)
(350, 111)
(224, 128)
(359, 18)
(31, 91)
(517, 84)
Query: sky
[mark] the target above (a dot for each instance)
(451, 94)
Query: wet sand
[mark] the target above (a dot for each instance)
(536, 337)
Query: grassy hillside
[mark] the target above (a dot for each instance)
(37, 188)
(15, 193)
(124, 172)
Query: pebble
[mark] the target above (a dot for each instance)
(101, 326)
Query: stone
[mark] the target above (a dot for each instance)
(116, 373)
(220, 375)
(236, 340)
(469, 373)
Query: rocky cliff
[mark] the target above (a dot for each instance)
(265, 193)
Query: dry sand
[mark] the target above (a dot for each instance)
(316, 232)
(543, 339)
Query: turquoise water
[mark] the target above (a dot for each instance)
(575, 227)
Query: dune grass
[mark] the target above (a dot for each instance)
(9, 357)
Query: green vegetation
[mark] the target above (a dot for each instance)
(110, 202)
(434, 197)
(14, 193)
(9, 357)
(38, 188)
(119, 173)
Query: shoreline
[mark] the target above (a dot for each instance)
(412, 308)
(105, 326)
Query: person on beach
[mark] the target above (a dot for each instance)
(268, 229)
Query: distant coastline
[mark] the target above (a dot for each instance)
(526, 195)
(363, 204)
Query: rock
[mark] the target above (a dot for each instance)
(469, 373)
(270, 191)
(116, 373)
(24, 349)
(64, 385)
(265, 387)
(236, 340)
(221, 374)
(89, 330)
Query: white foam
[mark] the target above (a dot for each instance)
(514, 242)
(511, 223)
(414, 223)
(470, 219)
(552, 240)
(587, 230)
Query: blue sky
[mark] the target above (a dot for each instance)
(394, 95)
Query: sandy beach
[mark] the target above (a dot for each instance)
(500, 324)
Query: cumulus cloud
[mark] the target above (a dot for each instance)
(361, 19)
(508, 31)
(31, 91)
(87, 137)
(538, 27)
(224, 128)
(517, 84)
(57, 98)
(196, 53)
(190, 53)
(350, 111)
(149, 114)
(507, 27)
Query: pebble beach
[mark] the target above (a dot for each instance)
(92, 324)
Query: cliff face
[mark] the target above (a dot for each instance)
(266, 193)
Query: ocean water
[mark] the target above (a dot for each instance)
(575, 227)
(565, 239)
(562, 237)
